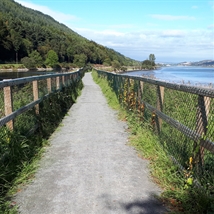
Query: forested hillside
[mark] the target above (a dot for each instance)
(29, 34)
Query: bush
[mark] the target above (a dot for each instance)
(29, 62)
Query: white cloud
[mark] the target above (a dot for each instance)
(91, 33)
(111, 33)
(171, 17)
(60, 17)
(194, 7)
(165, 44)
(173, 33)
(122, 26)
(211, 26)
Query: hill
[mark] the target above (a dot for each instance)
(24, 31)
(209, 63)
(203, 63)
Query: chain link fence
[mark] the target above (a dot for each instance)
(182, 116)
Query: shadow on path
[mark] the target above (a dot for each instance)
(149, 205)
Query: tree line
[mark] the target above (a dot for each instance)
(36, 39)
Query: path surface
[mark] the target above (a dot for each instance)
(89, 168)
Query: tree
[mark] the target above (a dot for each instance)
(147, 64)
(3, 34)
(107, 62)
(35, 55)
(28, 62)
(116, 65)
(16, 41)
(152, 59)
(28, 45)
(52, 58)
(70, 53)
(80, 59)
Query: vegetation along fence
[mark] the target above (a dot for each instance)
(181, 115)
(30, 110)
(23, 94)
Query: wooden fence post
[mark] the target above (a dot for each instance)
(128, 93)
(49, 84)
(8, 105)
(140, 98)
(160, 97)
(36, 95)
(137, 95)
(121, 90)
(63, 81)
(201, 124)
(140, 91)
(57, 83)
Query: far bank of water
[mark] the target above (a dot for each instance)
(21, 74)
(200, 76)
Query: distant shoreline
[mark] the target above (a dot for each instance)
(31, 70)
(24, 69)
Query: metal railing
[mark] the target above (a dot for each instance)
(181, 115)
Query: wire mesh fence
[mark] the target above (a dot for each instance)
(2, 113)
(20, 97)
(182, 116)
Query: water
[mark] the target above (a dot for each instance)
(20, 74)
(200, 76)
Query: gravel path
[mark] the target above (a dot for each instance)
(89, 168)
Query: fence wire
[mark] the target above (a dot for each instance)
(182, 116)
(2, 112)
(20, 96)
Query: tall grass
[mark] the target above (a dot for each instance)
(179, 194)
(19, 150)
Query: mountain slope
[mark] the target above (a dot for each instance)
(23, 30)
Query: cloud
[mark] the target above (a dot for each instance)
(60, 17)
(211, 26)
(173, 33)
(106, 33)
(165, 44)
(122, 26)
(111, 33)
(194, 7)
(171, 17)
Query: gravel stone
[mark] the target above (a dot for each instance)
(89, 167)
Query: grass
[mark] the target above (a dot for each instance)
(12, 66)
(19, 153)
(179, 195)
(8, 206)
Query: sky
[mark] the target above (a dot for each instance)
(172, 30)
